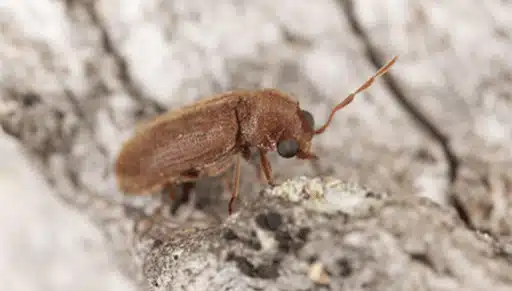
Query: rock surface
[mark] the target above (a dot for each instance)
(356, 238)
(77, 76)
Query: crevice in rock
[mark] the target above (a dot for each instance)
(461, 211)
(428, 126)
(120, 62)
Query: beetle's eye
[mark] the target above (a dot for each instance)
(309, 118)
(287, 148)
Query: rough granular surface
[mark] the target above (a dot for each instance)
(322, 233)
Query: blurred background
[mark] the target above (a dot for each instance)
(45, 245)
(77, 75)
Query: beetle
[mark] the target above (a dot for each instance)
(210, 136)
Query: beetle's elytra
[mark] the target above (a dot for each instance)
(209, 136)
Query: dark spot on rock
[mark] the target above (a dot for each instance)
(270, 271)
(503, 253)
(59, 115)
(287, 243)
(264, 271)
(30, 99)
(229, 234)
(284, 241)
(242, 264)
(304, 233)
(312, 259)
(296, 40)
(261, 220)
(274, 220)
(422, 258)
(270, 221)
(245, 266)
(371, 194)
(157, 243)
(230, 256)
(139, 113)
(425, 155)
(254, 244)
(345, 267)
(175, 257)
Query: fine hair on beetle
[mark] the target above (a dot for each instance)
(208, 137)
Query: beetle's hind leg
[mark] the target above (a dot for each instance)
(167, 195)
(172, 199)
(236, 182)
(184, 198)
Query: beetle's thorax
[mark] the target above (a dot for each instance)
(269, 116)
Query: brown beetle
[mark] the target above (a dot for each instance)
(209, 136)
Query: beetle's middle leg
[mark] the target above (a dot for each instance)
(248, 156)
(167, 192)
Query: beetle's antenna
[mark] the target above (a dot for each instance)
(350, 97)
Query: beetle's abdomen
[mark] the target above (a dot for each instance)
(168, 150)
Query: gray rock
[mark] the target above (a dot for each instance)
(323, 233)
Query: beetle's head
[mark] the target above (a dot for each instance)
(298, 142)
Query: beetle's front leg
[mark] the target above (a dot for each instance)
(267, 168)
